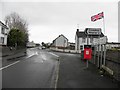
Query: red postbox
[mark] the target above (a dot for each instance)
(87, 53)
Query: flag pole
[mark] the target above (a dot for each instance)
(104, 44)
(104, 23)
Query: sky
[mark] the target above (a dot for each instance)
(49, 18)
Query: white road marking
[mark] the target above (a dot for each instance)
(36, 53)
(42, 61)
(57, 76)
(43, 57)
(32, 55)
(9, 65)
(53, 54)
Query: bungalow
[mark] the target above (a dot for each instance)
(3, 34)
(81, 39)
(31, 44)
(60, 42)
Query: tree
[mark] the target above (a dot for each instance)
(15, 21)
(18, 30)
(43, 44)
(16, 37)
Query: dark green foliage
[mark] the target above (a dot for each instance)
(17, 37)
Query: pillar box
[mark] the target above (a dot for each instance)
(87, 53)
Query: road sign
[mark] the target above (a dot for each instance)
(94, 31)
(101, 40)
(96, 41)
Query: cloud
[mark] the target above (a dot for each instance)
(49, 19)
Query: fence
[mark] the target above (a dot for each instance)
(112, 62)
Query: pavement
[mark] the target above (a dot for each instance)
(74, 74)
(9, 56)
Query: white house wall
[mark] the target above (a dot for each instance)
(4, 36)
(81, 43)
(76, 43)
(61, 43)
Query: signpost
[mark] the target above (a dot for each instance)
(94, 31)
(103, 40)
(100, 42)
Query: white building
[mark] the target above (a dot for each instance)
(3, 33)
(60, 42)
(81, 39)
(31, 44)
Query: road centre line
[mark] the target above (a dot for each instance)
(9, 65)
(53, 54)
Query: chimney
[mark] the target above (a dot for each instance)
(77, 30)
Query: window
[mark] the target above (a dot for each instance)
(2, 30)
(81, 47)
(83, 40)
(2, 40)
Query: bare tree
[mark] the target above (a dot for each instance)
(15, 21)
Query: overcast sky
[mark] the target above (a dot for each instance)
(47, 20)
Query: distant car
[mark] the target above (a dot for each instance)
(43, 47)
(39, 48)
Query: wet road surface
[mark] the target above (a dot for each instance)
(74, 74)
(42, 69)
(36, 70)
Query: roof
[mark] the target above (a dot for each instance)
(3, 25)
(84, 35)
(72, 43)
(81, 34)
(59, 36)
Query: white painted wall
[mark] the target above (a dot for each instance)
(61, 42)
(4, 36)
(76, 43)
(81, 43)
(31, 44)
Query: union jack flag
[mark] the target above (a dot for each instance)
(97, 17)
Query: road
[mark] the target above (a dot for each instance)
(42, 69)
(74, 74)
(37, 70)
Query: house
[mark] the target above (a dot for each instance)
(111, 45)
(81, 38)
(71, 45)
(60, 42)
(31, 44)
(3, 34)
